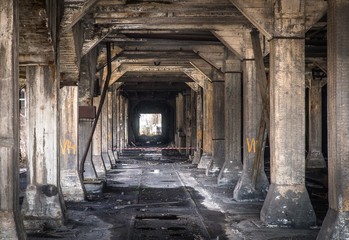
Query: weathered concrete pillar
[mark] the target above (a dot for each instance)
(245, 189)
(315, 158)
(97, 145)
(284, 23)
(126, 122)
(110, 128)
(104, 137)
(188, 119)
(287, 202)
(43, 202)
(180, 123)
(86, 115)
(115, 123)
(231, 170)
(206, 157)
(71, 183)
(218, 132)
(199, 126)
(11, 222)
(336, 223)
(121, 130)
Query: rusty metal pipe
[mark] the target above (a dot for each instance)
(99, 110)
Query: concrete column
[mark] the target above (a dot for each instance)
(121, 123)
(85, 124)
(71, 183)
(206, 157)
(188, 119)
(232, 168)
(287, 202)
(115, 123)
(315, 158)
(110, 129)
(218, 132)
(11, 225)
(97, 145)
(199, 126)
(126, 122)
(252, 110)
(104, 137)
(336, 223)
(43, 202)
(180, 123)
(85, 127)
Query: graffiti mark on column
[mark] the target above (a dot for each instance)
(67, 147)
(251, 145)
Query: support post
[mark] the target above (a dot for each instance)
(206, 157)
(315, 158)
(97, 145)
(104, 134)
(71, 183)
(287, 137)
(11, 222)
(110, 128)
(232, 168)
(245, 190)
(43, 203)
(199, 126)
(218, 132)
(336, 223)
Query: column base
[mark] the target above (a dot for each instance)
(42, 207)
(106, 160)
(230, 173)
(197, 157)
(218, 157)
(288, 206)
(245, 191)
(335, 226)
(112, 158)
(315, 160)
(99, 166)
(205, 161)
(72, 187)
(11, 226)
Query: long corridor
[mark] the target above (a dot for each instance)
(159, 194)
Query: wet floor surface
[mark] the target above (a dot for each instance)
(152, 196)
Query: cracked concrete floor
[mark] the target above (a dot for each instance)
(150, 196)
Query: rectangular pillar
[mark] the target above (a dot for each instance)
(315, 158)
(97, 144)
(180, 123)
(206, 157)
(287, 137)
(104, 137)
(232, 167)
(43, 202)
(110, 130)
(199, 126)
(115, 123)
(218, 132)
(71, 183)
(11, 225)
(188, 119)
(336, 223)
(252, 110)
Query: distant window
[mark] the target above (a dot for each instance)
(150, 124)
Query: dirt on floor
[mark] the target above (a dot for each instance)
(151, 196)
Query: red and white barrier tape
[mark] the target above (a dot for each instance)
(154, 148)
